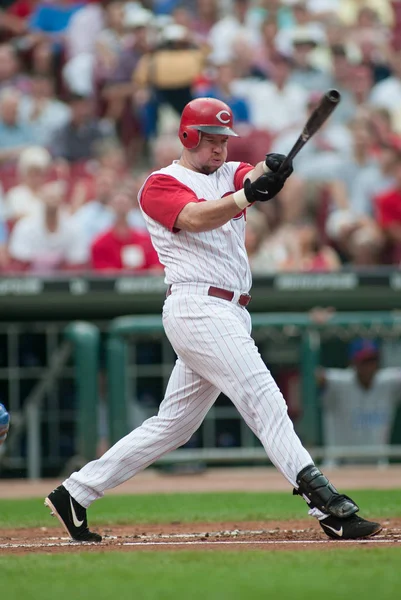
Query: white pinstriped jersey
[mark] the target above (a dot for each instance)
(216, 257)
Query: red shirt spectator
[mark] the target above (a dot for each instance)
(388, 211)
(116, 250)
(123, 247)
(388, 206)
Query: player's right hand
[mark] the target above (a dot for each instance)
(264, 187)
(4, 423)
(273, 162)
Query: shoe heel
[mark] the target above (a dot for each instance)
(54, 513)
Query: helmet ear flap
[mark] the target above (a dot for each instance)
(190, 138)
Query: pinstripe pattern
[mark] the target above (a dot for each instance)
(216, 353)
(187, 400)
(216, 257)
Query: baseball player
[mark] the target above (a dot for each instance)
(195, 210)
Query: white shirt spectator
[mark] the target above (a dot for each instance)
(21, 201)
(284, 40)
(336, 138)
(387, 94)
(320, 6)
(226, 32)
(83, 29)
(78, 73)
(31, 242)
(354, 416)
(271, 108)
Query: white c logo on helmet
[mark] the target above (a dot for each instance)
(220, 116)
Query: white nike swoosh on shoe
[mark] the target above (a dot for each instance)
(74, 516)
(262, 192)
(338, 532)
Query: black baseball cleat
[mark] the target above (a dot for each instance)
(71, 515)
(351, 528)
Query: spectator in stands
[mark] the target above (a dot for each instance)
(12, 18)
(75, 141)
(43, 111)
(346, 166)
(14, 135)
(331, 142)
(10, 74)
(373, 41)
(361, 83)
(304, 24)
(349, 11)
(44, 62)
(83, 28)
(309, 253)
(287, 101)
(341, 60)
(237, 24)
(165, 149)
(122, 247)
(256, 231)
(110, 40)
(365, 247)
(96, 216)
(3, 244)
(168, 74)
(371, 182)
(117, 98)
(206, 16)
(47, 242)
(101, 53)
(388, 211)
(270, 241)
(387, 93)
(25, 199)
(221, 88)
(109, 154)
(266, 49)
(305, 72)
(51, 19)
(359, 403)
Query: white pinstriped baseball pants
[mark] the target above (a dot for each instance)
(216, 353)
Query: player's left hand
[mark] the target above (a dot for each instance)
(273, 162)
(4, 423)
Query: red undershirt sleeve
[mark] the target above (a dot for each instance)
(240, 173)
(164, 197)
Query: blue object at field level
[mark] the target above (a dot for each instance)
(4, 416)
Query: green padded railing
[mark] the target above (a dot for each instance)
(85, 340)
(300, 324)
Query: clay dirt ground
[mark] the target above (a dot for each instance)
(268, 535)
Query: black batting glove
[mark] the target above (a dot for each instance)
(274, 161)
(264, 187)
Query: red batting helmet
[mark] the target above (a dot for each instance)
(206, 115)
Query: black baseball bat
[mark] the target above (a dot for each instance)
(320, 114)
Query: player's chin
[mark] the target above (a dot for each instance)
(212, 168)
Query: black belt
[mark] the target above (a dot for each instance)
(243, 300)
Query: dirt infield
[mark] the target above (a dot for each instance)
(267, 535)
(270, 536)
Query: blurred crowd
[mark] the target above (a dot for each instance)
(90, 99)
